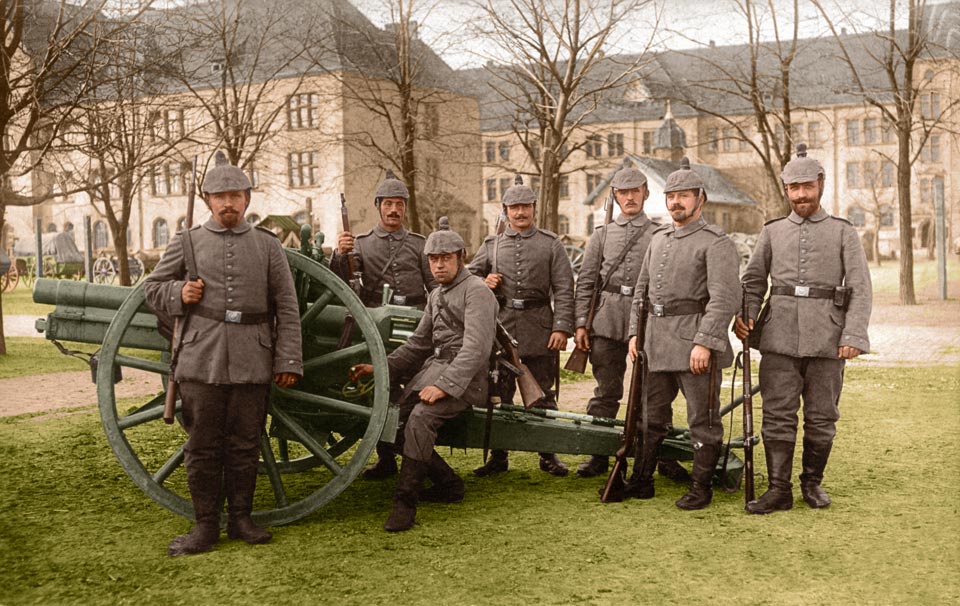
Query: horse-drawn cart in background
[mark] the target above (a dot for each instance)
(321, 432)
(60, 257)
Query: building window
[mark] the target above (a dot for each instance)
(593, 147)
(167, 125)
(302, 169)
(926, 192)
(886, 216)
(813, 135)
(253, 173)
(490, 149)
(728, 138)
(101, 235)
(253, 219)
(590, 226)
(931, 150)
(51, 228)
(710, 217)
(853, 132)
(712, 140)
(615, 144)
(856, 216)
(535, 150)
(301, 218)
(563, 225)
(168, 179)
(161, 233)
(303, 111)
(853, 175)
(504, 150)
(647, 143)
(431, 121)
(871, 131)
(745, 140)
(888, 134)
(564, 186)
(491, 190)
(888, 174)
(869, 174)
(930, 106)
(593, 182)
(535, 184)
(504, 185)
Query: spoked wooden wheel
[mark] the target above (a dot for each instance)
(575, 255)
(319, 433)
(103, 271)
(10, 279)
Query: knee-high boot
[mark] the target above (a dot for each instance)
(412, 473)
(779, 494)
(815, 456)
(447, 484)
(704, 463)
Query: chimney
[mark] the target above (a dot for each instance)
(843, 31)
(713, 44)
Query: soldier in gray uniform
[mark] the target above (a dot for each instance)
(243, 331)
(617, 249)
(450, 352)
(531, 269)
(387, 254)
(815, 320)
(690, 274)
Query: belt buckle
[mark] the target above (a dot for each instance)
(233, 317)
(801, 291)
(399, 299)
(657, 310)
(626, 291)
(516, 303)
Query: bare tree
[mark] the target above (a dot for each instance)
(45, 46)
(897, 54)
(552, 68)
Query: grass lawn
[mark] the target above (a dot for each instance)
(30, 356)
(886, 279)
(75, 530)
(19, 302)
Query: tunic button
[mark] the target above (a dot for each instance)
(229, 266)
(229, 300)
(229, 278)
(230, 254)
(803, 250)
(229, 289)
(803, 271)
(659, 275)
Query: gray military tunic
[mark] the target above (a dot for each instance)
(801, 335)
(694, 266)
(610, 331)
(450, 349)
(394, 258)
(535, 271)
(243, 269)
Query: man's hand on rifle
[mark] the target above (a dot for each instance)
(848, 353)
(285, 379)
(432, 394)
(493, 280)
(359, 371)
(742, 330)
(192, 292)
(345, 242)
(699, 359)
(632, 348)
(557, 341)
(582, 339)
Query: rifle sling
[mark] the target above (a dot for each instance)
(623, 254)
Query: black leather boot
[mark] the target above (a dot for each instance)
(447, 484)
(551, 463)
(409, 483)
(594, 466)
(240, 487)
(497, 463)
(204, 488)
(779, 494)
(814, 459)
(701, 493)
(386, 465)
(672, 470)
(640, 484)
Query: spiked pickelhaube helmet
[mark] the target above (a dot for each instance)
(628, 177)
(444, 240)
(519, 193)
(801, 169)
(683, 179)
(391, 187)
(225, 177)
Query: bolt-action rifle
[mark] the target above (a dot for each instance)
(577, 362)
(355, 279)
(748, 492)
(180, 324)
(636, 403)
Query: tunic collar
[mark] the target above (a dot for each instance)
(396, 235)
(690, 228)
(638, 220)
(461, 276)
(511, 233)
(816, 217)
(241, 228)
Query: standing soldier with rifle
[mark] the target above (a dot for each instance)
(527, 268)
(605, 290)
(387, 254)
(814, 321)
(690, 272)
(244, 332)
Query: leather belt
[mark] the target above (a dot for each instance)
(803, 292)
(445, 353)
(626, 291)
(676, 308)
(371, 299)
(230, 316)
(522, 304)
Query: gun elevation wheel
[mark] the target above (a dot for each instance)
(320, 433)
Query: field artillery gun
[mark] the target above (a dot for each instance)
(321, 432)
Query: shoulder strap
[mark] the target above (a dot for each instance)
(623, 255)
(448, 316)
(386, 266)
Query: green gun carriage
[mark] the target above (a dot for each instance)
(321, 432)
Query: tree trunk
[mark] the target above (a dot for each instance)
(549, 186)
(3, 338)
(907, 295)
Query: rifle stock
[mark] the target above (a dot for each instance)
(748, 488)
(346, 334)
(170, 398)
(530, 390)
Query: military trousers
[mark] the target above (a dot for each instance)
(784, 381)
(420, 422)
(543, 369)
(608, 358)
(223, 425)
(703, 415)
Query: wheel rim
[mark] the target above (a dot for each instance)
(334, 437)
(103, 271)
(575, 256)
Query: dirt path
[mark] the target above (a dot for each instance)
(45, 393)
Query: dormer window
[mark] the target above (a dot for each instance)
(637, 92)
